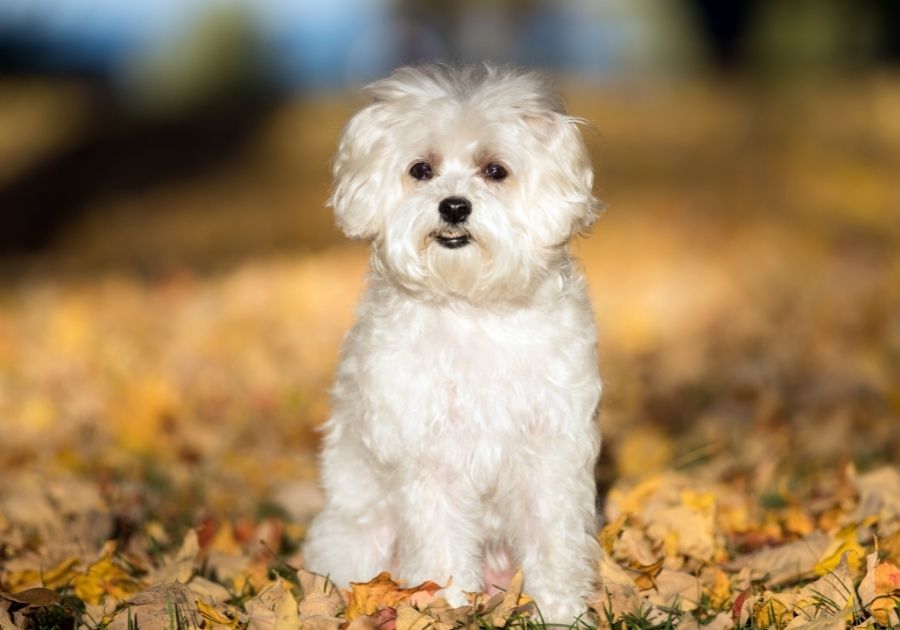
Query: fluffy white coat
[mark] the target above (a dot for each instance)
(463, 435)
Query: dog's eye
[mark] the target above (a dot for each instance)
(495, 172)
(421, 171)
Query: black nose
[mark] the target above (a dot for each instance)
(455, 209)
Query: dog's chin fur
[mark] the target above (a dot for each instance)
(484, 270)
(464, 403)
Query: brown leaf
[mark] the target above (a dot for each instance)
(382, 592)
(512, 599)
(675, 589)
(320, 596)
(155, 608)
(32, 597)
(181, 566)
(409, 618)
(786, 563)
(319, 622)
(829, 595)
(879, 492)
(634, 550)
(444, 613)
(618, 592)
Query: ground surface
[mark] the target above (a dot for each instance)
(164, 366)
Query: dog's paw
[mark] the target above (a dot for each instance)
(562, 611)
(455, 596)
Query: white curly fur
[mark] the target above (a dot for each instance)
(463, 436)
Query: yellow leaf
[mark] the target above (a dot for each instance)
(286, 615)
(52, 578)
(720, 589)
(214, 616)
(632, 500)
(704, 502)
(611, 531)
(843, 542)
(774, 610)
(642, 451)
(225, 541)
(797, 521)
(104, 578)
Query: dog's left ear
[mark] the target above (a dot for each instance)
(571, 173)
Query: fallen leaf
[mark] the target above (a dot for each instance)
(642, 451)
(717, 586)
(675, 589)
(181, 566)
(32, 597)
(610, 533)
(684, 530)
(512, 599)
(634, 550)
(382, 592)
(618, 593)
(160, 607)
(773, 609)
(879, 492)
(320, 596)
(211, 592)
(384, 619)
(320, 622)
(215, 616)
(879, 590)
(261, 608)
(830, 595)
(837, 622)
(409, 618)
(444, 613)
(104, 579)
(53, 578)
(843, 544)
(785, 563)
(286, 613)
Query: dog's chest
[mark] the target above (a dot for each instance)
(455, 372)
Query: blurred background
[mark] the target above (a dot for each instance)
(173, 292)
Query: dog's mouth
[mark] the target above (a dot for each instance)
(452, 239)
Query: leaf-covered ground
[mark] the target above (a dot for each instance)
(164, 367)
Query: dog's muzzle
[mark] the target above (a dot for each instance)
(454, 210)
(453, 242)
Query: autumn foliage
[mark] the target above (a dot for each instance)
(162, 375)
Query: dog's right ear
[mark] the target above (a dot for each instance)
(359, 184)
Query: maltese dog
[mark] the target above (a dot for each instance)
(463, 437)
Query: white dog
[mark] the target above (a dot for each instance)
(463, 435)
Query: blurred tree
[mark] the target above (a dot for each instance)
(185, 112)
(724, 26)
(809, 38)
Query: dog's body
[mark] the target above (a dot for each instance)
(463, 434)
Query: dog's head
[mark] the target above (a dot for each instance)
(469, 181)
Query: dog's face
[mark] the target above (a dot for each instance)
(469, 183)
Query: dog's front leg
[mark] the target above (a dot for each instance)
(438, 534)
(554, 521)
